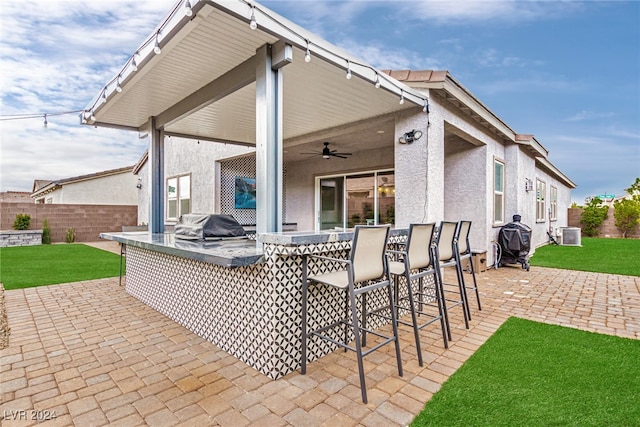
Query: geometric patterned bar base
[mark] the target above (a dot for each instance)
(253, 312)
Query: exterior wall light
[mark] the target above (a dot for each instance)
(409, 137)
(528, 184)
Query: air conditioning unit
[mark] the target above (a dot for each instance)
(571, 236)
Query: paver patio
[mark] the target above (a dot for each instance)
(93, 355)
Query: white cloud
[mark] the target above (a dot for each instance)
(384, 58)
(533, 83)
(493, 58)
(597, 163)
(588, 115)
(319, 17)
(55, 56)
(627, 134)
(465, 11)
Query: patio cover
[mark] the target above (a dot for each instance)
(207, 84)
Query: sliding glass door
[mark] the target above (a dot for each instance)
(331, 203)
(348, 200)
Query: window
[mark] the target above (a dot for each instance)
(178, 196)
(498, 192)
(349, 200)
(553, 203)
(540, 198)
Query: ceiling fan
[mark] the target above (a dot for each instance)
(327, 153)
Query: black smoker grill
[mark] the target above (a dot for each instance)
(515, 242)
(208, 227)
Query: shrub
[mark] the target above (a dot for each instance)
(593, 216)
(627, 211)
(71, 235)
(22, 222)
(46, 232)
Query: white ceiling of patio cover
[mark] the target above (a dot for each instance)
(317, 95)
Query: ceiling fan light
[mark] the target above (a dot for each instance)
(328, 153)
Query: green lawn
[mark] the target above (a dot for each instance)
(27, 266)
(534, 374)
(600, 255)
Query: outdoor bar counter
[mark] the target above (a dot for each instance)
(242, 296)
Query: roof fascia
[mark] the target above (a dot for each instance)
(141, 162)
(452, 87)
(90, 177)
(46, 190)
(546, 164)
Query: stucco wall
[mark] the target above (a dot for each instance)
(183, 156)
(468, 153)
(300, 180)
(118, 189)
(446, 175)
(465, 184)
(539, 236)
(143, 194)
(417, 171)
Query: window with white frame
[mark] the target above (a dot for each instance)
(541, 189)
(178, 196)
(498, 191)
(553, 203)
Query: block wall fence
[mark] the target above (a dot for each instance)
(87, 220)
(608, 228)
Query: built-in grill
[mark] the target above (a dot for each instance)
(208, 227)
(515, 243)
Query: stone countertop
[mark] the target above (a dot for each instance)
(231, 252)
(227, 253)
(298, 238)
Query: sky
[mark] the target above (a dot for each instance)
(567, 72)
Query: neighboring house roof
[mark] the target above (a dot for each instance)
(141, 162)
(39, 183)
(53, 185)
(15, 196)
